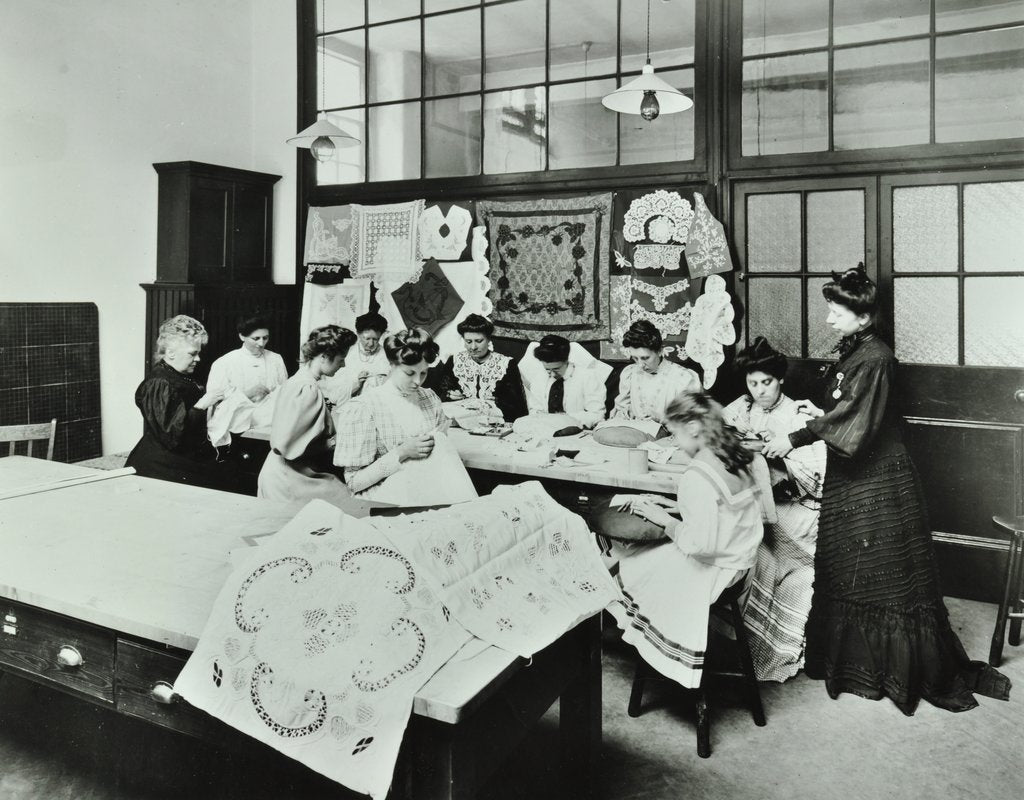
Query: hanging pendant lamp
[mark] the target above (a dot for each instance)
(323, 137)
(648, 95)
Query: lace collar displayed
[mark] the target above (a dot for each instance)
(479, 379)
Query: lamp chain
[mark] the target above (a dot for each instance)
(323, 53)
(648, 31)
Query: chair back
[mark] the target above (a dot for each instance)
(41, 432)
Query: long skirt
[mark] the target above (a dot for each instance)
(878, 626)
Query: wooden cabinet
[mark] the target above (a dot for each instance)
(215, 224)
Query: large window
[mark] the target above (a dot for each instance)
(827, 76)
(456, 88)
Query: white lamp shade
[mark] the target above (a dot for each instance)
(322, 128)
(628, 97)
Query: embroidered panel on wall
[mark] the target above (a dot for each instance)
(50, 368)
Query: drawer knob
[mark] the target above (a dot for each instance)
(163, 693)
(69, 657)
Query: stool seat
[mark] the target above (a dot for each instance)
(1011, 608)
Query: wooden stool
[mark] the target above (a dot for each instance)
(1012, 605)
(727, 609)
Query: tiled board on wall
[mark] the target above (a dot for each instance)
(50, 367)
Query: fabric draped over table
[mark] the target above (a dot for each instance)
(322, 635)
(234, 374)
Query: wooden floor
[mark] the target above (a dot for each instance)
(814, 748)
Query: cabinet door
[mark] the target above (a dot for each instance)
(209, 230)
(251, 234)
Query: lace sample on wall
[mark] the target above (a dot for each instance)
(669, 215)
(443, 236)
(385, 242)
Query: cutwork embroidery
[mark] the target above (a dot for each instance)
(671, 214)
(660, 294)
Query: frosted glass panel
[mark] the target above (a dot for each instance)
(993, 322)
(395, 61)
(773, 232)
(581, 131)
(395, 142)
(348, 164)
(771, 26)
(344, 62)
(785, 104)
(774, 312)
(870, 20)
(882, 95)
(453, 137)
(924, 229)
(994, 227)
(451, 53)
(835, 230)
(515, 131)
(820, 336)
(927, 320)
(668, 138)
(978, 79)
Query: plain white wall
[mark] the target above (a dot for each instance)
(91, 95)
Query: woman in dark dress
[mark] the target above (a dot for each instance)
(877, 625)
(174, 444)
(478, 373)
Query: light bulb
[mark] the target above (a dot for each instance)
(649, 107)
(322, 149)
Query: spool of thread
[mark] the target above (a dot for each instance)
(636, 460)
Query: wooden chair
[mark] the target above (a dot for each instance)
(1012, 606)
(43, 431)
(727, 610)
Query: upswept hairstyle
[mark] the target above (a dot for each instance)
(854, 290)
(721, 439)
(552, 348)
(177, 329)
(329, 340)
(371, 321)
(246, 325)
(475, 323)
(410, 347)
(761, 357)
(642, 333)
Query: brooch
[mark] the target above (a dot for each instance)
(839, 382)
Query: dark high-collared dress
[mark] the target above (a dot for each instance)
(174, 445)
(878, 626)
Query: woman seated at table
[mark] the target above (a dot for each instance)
(367, 362)
(486, 381)
(246, 377)
(298, 467)
(393, 423)
(174, 445)
(702, 543)
(780, 594)
(646, 387)
(565, 387)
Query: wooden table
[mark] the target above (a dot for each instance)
(106, 586)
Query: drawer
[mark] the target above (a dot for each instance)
(140, 670)
(58, 650)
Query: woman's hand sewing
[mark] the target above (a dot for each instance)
(647, 509)
(418, 447)
(777, 447)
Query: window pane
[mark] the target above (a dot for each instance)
(344, 62)
(785, 104)
(772, 26)
(994, 227)
(672, 34)
(882, 96)
(955, 14)
(821, 338)
(514, 37)
(382, 10)
(774, 312)
(869, 20)
(925, 230)
(348, 164)
(993, 324)
(444, 5)
(395, 142)
(773, 233)
(835, 230)
(927, 320)
(453, 137)
(452, 52)
(515, 130)
(582, 39)
(582, 131)
(394, 61)
(668, 138)
(340, 14)
(978, 79)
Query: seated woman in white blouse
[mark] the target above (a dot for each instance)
(646, 388)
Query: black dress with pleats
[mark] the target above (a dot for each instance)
(878, 626)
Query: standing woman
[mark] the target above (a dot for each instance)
(298, 467)
(877, 624)
(174, 445)
(478, 373)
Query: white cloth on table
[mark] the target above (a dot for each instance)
(585, 392)
(668, 587)
(438, 479)
(236, 413)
